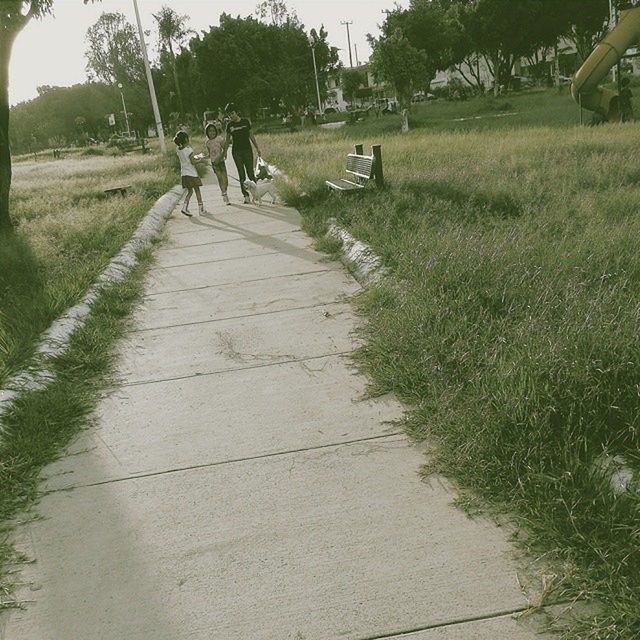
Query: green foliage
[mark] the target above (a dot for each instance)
(254, 64)
(114, 53)
(351, 80)
(397, 61)
(54, 115)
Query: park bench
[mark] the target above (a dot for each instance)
(121, 190)
(362, 168)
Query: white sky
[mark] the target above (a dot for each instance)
(51, 51)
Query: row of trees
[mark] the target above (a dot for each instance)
(435, 35)
(264, 63)
(265, 67)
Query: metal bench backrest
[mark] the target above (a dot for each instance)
(361, 166)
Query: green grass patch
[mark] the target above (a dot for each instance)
(39, 424)
(510, 324)
(67, 230)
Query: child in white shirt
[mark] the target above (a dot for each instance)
(190, 179)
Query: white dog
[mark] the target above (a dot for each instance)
(259, 189)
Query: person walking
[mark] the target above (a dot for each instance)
(240, 137)
(190, 178)
(215, 145)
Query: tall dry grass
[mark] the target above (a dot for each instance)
(67, 229)
(510, 325)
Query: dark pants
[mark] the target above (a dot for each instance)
(244, 164)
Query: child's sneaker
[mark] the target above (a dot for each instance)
(225, 198)
(202, 210)
(185, 211)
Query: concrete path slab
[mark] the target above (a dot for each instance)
(238, 299)
(345, 542)
(238, 248)
(263, 268)
(237, 485)
(226, 226)
(210, 419)
(220, 345)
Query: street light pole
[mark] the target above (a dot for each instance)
(124, 107)
(152, 89)
(315, 72)
(347, 23)
(613, 21)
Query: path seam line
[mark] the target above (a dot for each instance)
(220, 463)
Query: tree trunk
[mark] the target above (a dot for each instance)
(405, 119)
(496, 74)
(5, 152)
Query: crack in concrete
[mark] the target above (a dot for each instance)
(160, 268)
(220, 463)
(450, 623)
(248, 315)
(237, 282)
(300, 361)
(168, 247)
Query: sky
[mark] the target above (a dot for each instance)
(51, 51)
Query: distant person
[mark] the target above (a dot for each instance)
(626, 106)
(240, 137)
(217, 155)
(190, 178)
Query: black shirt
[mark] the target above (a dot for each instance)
(240, 132)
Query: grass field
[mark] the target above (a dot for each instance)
(67, 230)
(510, 322)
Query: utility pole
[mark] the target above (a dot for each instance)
(152, 89)
(347, 23)
(355, 47)
(312, 44)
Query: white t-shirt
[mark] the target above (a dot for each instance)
(186, 167)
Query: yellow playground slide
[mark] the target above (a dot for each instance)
(584, 88)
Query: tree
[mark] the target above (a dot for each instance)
(588, 21)
(172, 30)
(14, 16)
(256, 65)
(70, 115)
(351, 80)
(278, 12)
(114, 54)
(395, 60)
(428, 27)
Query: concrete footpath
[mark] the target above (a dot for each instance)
(237, 486)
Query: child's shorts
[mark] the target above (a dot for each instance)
(189, 182)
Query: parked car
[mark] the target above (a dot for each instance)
(421, 96)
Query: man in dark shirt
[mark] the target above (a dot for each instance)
(240, 137)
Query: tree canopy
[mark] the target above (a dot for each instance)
(114, 53)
